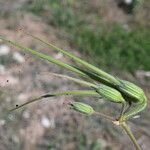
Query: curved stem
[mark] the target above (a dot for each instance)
(75, 92)
(130, 134)
(136, 109)
(124, 126)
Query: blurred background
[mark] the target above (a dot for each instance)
(113, 35)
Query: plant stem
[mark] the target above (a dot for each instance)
(104, 116)
(124, 126)
(130, 134)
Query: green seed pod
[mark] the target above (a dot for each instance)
(131, 90)
(82, 108)
(110, 93)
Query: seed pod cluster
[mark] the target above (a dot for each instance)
(82, 108)
(110, 93)
(119, 91)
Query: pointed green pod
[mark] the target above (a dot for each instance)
(82, 108)
(110, 94)
(131, 90)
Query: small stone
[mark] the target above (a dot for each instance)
(4, 50)
(22, 97)
(58, 56)
(18, 57)
(2, 122)
(26, 115)
(128, 1)
(45, 122)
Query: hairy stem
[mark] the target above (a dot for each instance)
(130, 134)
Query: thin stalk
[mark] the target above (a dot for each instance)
(75, 92)
(104, 116)
(100, 72)
(130, 134)
(46, 57)
(85, 83)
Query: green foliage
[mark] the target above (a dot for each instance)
(115, 48)
(83, 143)
(7, 60)
(96, 145)
(112, 46)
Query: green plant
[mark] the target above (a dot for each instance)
(114, 48)
(111, 88)
(112, 45)
(7, 59)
